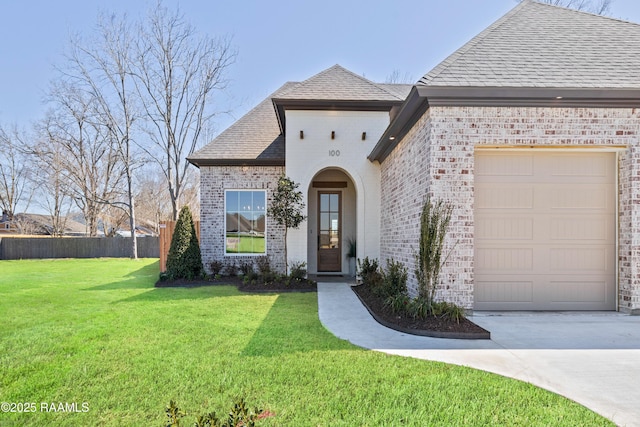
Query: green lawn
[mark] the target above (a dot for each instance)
(245, 244)
(96, 331)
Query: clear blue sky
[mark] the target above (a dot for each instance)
(277, 41)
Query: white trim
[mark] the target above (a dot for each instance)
(244, 254)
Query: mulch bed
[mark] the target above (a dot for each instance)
(431, 327)
(301, 286)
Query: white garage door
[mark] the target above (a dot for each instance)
(545, 230)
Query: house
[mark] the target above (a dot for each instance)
(530, 131)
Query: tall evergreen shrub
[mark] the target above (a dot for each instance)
(184, 260)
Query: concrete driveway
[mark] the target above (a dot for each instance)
(592, 358)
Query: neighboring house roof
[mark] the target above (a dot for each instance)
(535, 55)
(257, 137)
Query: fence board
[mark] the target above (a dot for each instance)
(166, 235)
(75, 247)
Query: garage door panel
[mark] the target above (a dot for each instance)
(500, 165)
(502, 227)
(583, 165)
(576, 291)
(576, 260)
(545, 240)
(505, 259)
(579, 197)
(592, 228)
(505, 197)
(514, 290)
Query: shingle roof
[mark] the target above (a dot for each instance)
(338, 83)
(255, 136)
(539, 45)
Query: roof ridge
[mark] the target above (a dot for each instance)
(351, 73)
(459, 53)
(557, 6)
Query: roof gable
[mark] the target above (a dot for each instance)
(539, 45)
(337, 83)
(254, 139)
(257, 137)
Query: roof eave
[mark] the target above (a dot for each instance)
(236, 162)
(283, 104)
(530, 96)
(412, 108)
(423, 97)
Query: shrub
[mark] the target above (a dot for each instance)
(184, 260)
(297, 271)
(434, 223)
(369, 272)
(398, 303)
(239, 416)
(264, 264)
(216, 267)
(394, 280)
(231, 269)
(419, 308)
(448, 310)
(246, 268)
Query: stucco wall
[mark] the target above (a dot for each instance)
(437, 157)
(347, 152)
(213, 183)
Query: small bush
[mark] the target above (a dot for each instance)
(231, 269)
(367, 267)
(419, 308)
(369, 272)
(246, 268)
(398, 303)
(448, 310)
(394, 280)
(239, 416)
(297, 271)
(264, 265)
(216, 267)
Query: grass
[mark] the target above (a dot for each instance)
(246, 244)
(96, 331)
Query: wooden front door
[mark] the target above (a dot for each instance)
(329, 231)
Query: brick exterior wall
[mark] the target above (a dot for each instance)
(437, 157)
(213, 183)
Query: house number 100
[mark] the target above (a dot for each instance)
(334, 153)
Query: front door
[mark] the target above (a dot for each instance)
(329, 231)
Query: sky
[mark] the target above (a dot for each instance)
(276, 41)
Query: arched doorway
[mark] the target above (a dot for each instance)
(332, 222)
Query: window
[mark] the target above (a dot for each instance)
(245, 221)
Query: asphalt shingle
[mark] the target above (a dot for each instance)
(539, 45)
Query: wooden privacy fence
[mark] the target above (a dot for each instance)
(166, 234)
(75, 247)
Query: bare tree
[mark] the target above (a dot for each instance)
(599, 7)
(102, 69)
(396, 77)
(50, 178)
(89, 160)
(15, 185)
(177, 74)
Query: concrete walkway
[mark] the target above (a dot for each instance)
(592, 358)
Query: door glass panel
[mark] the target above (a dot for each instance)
(324, 221)
(324, 202)
(333, 205)
(329, 227)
